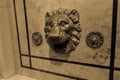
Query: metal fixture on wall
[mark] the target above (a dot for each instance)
(36, 38)
(62, 30)
(95, 40)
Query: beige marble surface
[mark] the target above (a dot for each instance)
(3, 4)
(96, 15)
(99, 20)
(117, 55)
(71, 69)
(7, 65)
(18, 77)
(116, 75)
(21, 26)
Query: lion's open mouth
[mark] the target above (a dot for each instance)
(61, 47)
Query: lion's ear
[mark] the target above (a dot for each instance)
(74, 16)
(47, 15)
(74, 12)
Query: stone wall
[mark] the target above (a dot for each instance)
(7, 67)
(84, 62)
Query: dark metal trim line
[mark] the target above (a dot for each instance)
(58, 74)
(71, 62)
(16, 22)
(113, 39)
(117, 69)
(27, 32)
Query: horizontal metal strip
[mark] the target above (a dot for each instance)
(72, 62)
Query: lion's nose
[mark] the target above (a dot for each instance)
(56, 36)
(54, 32)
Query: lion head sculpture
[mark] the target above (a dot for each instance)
(62, 30)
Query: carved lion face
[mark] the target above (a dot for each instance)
(62, 28)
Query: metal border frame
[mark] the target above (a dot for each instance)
(112, 55)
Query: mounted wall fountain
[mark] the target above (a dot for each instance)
(62, 30)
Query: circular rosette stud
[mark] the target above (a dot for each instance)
(95, 40)
(37, 38)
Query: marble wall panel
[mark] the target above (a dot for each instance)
(21, 26)
(116, 75)
(117, 55)
(95, 16)
(85, 72)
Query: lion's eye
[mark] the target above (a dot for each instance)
(63, 23)
(50, 24)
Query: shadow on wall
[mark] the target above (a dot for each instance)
(60, 56)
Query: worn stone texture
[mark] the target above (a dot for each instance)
(116, 75)
(22, 27)
(95, 15)
(7, 65)
(92, 18)
(117, 55)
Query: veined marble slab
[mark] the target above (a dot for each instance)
(116, 75)
(117, 55)
(95, 15)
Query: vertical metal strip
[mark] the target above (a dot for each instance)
(113, 39)
(27, 32)
(19, 46)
